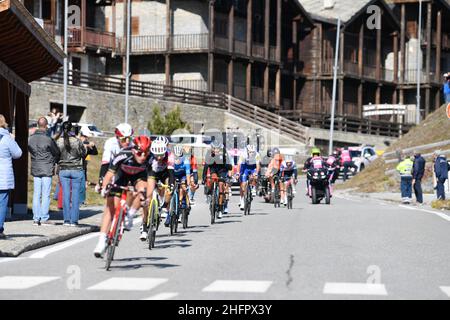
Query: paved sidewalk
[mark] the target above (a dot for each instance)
(23, 236)
(388, 196)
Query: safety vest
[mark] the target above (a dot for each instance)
(405, 167)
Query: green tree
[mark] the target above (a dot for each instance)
(166, 125)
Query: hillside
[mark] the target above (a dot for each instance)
(436, 127)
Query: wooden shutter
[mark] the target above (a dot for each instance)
(134, 26)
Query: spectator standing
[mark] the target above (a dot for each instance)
(71, 173)
(44, 155)
(405, 169)
(418, 172)
(446, 88)
(91, 150)
(9, 150)
(441, 173)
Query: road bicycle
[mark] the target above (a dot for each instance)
(154, 215)
(289, 193)
(117, 226)
(175, 209)
(214, 199)
(248, 196)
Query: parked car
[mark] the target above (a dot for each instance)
(363, 156)
(90, 128)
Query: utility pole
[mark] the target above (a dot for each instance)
(419, 63)
(66, 36)
(335, 70)
(127, 79)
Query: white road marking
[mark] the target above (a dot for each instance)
(163, 296)
(446, 290)
(238, 286)
(354, 288)
(45, 252)
(439, 214)
(129, 284)
(3, 260)
(23, 282)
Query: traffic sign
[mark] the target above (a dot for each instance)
(448, 110)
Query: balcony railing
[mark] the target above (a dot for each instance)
(387, 74)
(239, 91)
(221, 43)
(411, 76)
(258, 50)
(257, 95)
(272, 53)
(240, 47)
(190, 41)
(201, 85)
(370, 72)
(351, 68)
(89, 37)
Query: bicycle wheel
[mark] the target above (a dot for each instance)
(173, 212)
(247, 200)
(276, 196)
(185, 216)
(151, 224)
(212, 205)
(112, 243)
(289, 196)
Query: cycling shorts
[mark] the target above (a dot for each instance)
(162, 176)
(125, 181)
(246, 173)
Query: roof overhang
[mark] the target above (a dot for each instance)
(305, 14)
(25, 47)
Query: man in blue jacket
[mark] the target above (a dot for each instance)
(418, 172)
(441, 172)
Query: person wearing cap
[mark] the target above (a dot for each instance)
(44, 155)
(446, 88)
(418, 172)
(405, 169)
(9, 150)
(441, 173)
(91, 150)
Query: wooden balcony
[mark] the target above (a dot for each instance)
(351, 68)
(183, 42)
(258, 50)
(240, 47)
(93, 38)
(257, 95)
(239, 91)
(411, 77)
(201, 85)
(370, 72)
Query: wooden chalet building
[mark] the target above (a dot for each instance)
(27, 53)
(435, 50)
(367, 61)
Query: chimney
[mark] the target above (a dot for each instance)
(328, 4)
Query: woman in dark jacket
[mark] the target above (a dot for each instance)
(71, 173)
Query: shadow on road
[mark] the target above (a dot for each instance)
(141, 258)
(172, 240)
(170, 245)
(228, 221)
(143, 265)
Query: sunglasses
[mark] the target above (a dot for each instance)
(124, 139)
(141, 153)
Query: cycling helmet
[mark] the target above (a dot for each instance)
(123, 130)
(158, 148)
(251, 148)
(142, 143)
(178, 151)
(275, 151)
(216, 145)
(315, 151)
(163, 139)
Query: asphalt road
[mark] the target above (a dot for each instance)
(351, 249)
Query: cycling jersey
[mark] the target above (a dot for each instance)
(194, 164)
(126, 170)
(248, 165)
(315, 162)
(161, 170)
(288, 171)
(274, 165)
(182, 168)
(219, 164)
(110, 150)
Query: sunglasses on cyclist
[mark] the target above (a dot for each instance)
(124, 139)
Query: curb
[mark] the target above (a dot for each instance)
(47, 241)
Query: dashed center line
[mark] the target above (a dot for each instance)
(23, 282)
(129, 284)
(238, 286)
(163, 296)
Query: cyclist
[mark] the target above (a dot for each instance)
(128, 167)
(333, 166)
(182, 172)
(289, 175)
(218, 165)
(161, 169)
(194, 174)
(274, 170)
(249, 165)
